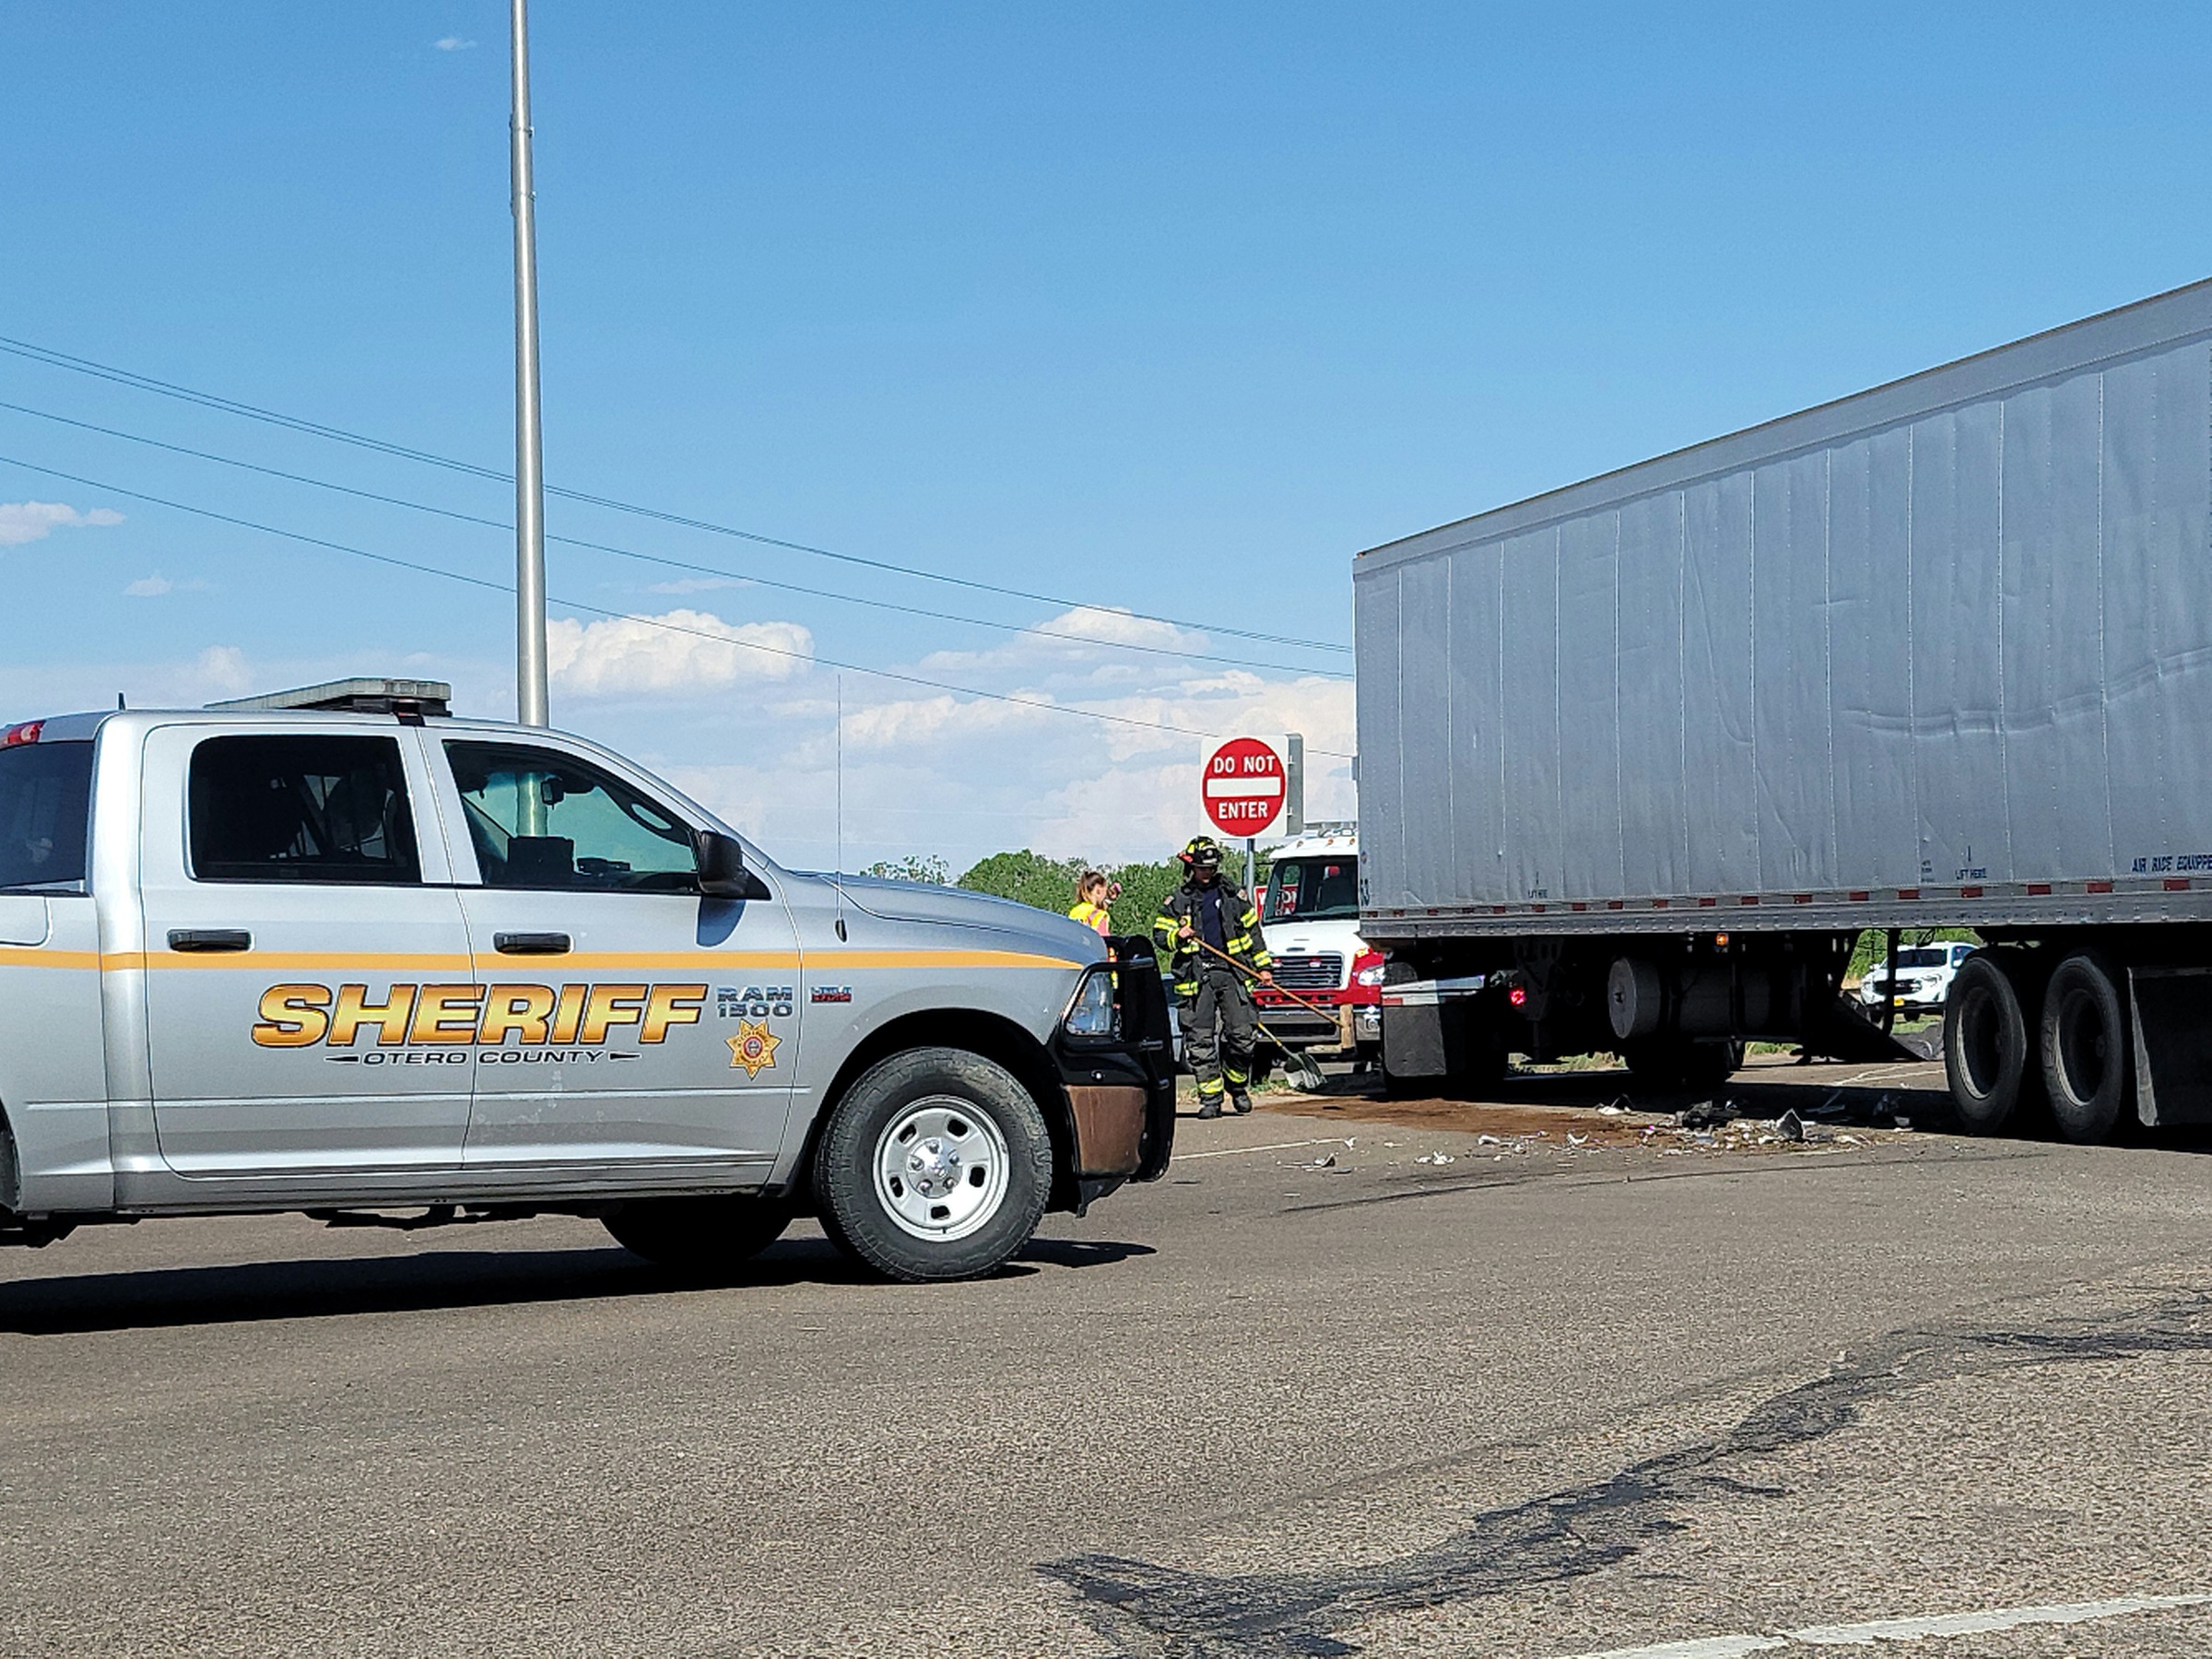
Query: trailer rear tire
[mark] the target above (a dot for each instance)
(1672, 1064)
(1988, 1052)
(2085, 1047)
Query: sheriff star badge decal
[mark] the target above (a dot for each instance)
(754, 1047)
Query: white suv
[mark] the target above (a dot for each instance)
(1924, 977)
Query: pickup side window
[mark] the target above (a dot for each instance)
(45, 803)
(302, 808)
(540, 818)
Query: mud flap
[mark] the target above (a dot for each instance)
(2173, 1044)
(1843, 1033)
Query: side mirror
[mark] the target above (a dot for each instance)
(721, 872)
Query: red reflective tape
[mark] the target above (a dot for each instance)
(1858, 897)
(1707, 904)
(1802, 898)
(2177, 884)
(1748, 898)
(1660, 903)
(2099, 887)
(1616, 904)
(1969, 892)
(1578, 905)
(1908, 892)
(2038, 889)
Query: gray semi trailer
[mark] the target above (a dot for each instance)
(1642, 758)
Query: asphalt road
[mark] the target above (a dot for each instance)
(1542, 1399)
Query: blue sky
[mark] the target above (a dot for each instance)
(1170, 308)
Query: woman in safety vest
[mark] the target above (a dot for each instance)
(1093, 894)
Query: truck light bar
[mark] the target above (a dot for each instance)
(355, 697)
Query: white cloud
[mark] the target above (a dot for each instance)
(680, 651)
(453, 43)
(24, 522)
(221, 669)
(909, 723)
(1080, 638)
(154, 586)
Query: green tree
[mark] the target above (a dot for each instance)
(925, 867)
(1049, 884)
(1144, 888)
(1031, 878)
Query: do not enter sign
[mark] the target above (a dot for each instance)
(1244, 784)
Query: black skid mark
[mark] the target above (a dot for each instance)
(1159, 1612)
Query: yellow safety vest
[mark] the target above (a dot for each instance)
(1093, 916)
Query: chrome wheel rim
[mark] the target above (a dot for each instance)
(941, 1169)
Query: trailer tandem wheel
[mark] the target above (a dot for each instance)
(1988, 1049)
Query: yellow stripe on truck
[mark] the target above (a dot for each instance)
(33, 955)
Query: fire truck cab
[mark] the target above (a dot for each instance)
(1311, 918)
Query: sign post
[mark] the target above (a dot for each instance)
(1244, 788)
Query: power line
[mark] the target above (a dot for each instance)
(660, 559)
(596, 610)
(62, 359)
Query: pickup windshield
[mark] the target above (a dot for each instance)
(1313, 890)
(45, 800)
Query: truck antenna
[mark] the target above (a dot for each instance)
(839, 869)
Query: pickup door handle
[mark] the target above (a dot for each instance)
(210, 938)
(531, 944)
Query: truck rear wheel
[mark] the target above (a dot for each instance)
(1670, 1062)
(2085, 1047)
(936, 1165)
(709, 1238)
(1988, 1055)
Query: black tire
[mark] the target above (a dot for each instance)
(1396, 1086)
(1669, 1065)
(1711, 1065)
(1655, 1063)
(980, 1135)
(2085, 1049)
(1988, 1048)
(704, 1238)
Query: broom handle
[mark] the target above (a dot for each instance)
(1294, 996)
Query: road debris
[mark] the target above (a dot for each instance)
(1789, 1127)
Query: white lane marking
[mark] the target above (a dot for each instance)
(1701, 1647)
(1904, 1630)
(1327, 1140)
(1976, 1624)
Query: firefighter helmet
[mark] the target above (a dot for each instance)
(1203, 853)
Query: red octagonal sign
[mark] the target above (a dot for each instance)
(1244, 783)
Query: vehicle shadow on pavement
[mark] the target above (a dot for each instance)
(328, 1288)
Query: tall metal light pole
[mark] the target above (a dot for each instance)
(532, 707)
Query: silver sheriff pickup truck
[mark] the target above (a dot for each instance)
(334, 951)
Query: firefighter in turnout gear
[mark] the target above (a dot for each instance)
(1213, 1001)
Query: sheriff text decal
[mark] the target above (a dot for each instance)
(448, 1020)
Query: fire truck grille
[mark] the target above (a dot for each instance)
(1309, 973)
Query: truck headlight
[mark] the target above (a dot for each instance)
(1093, 1012)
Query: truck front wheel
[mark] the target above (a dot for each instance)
(936, 1165)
